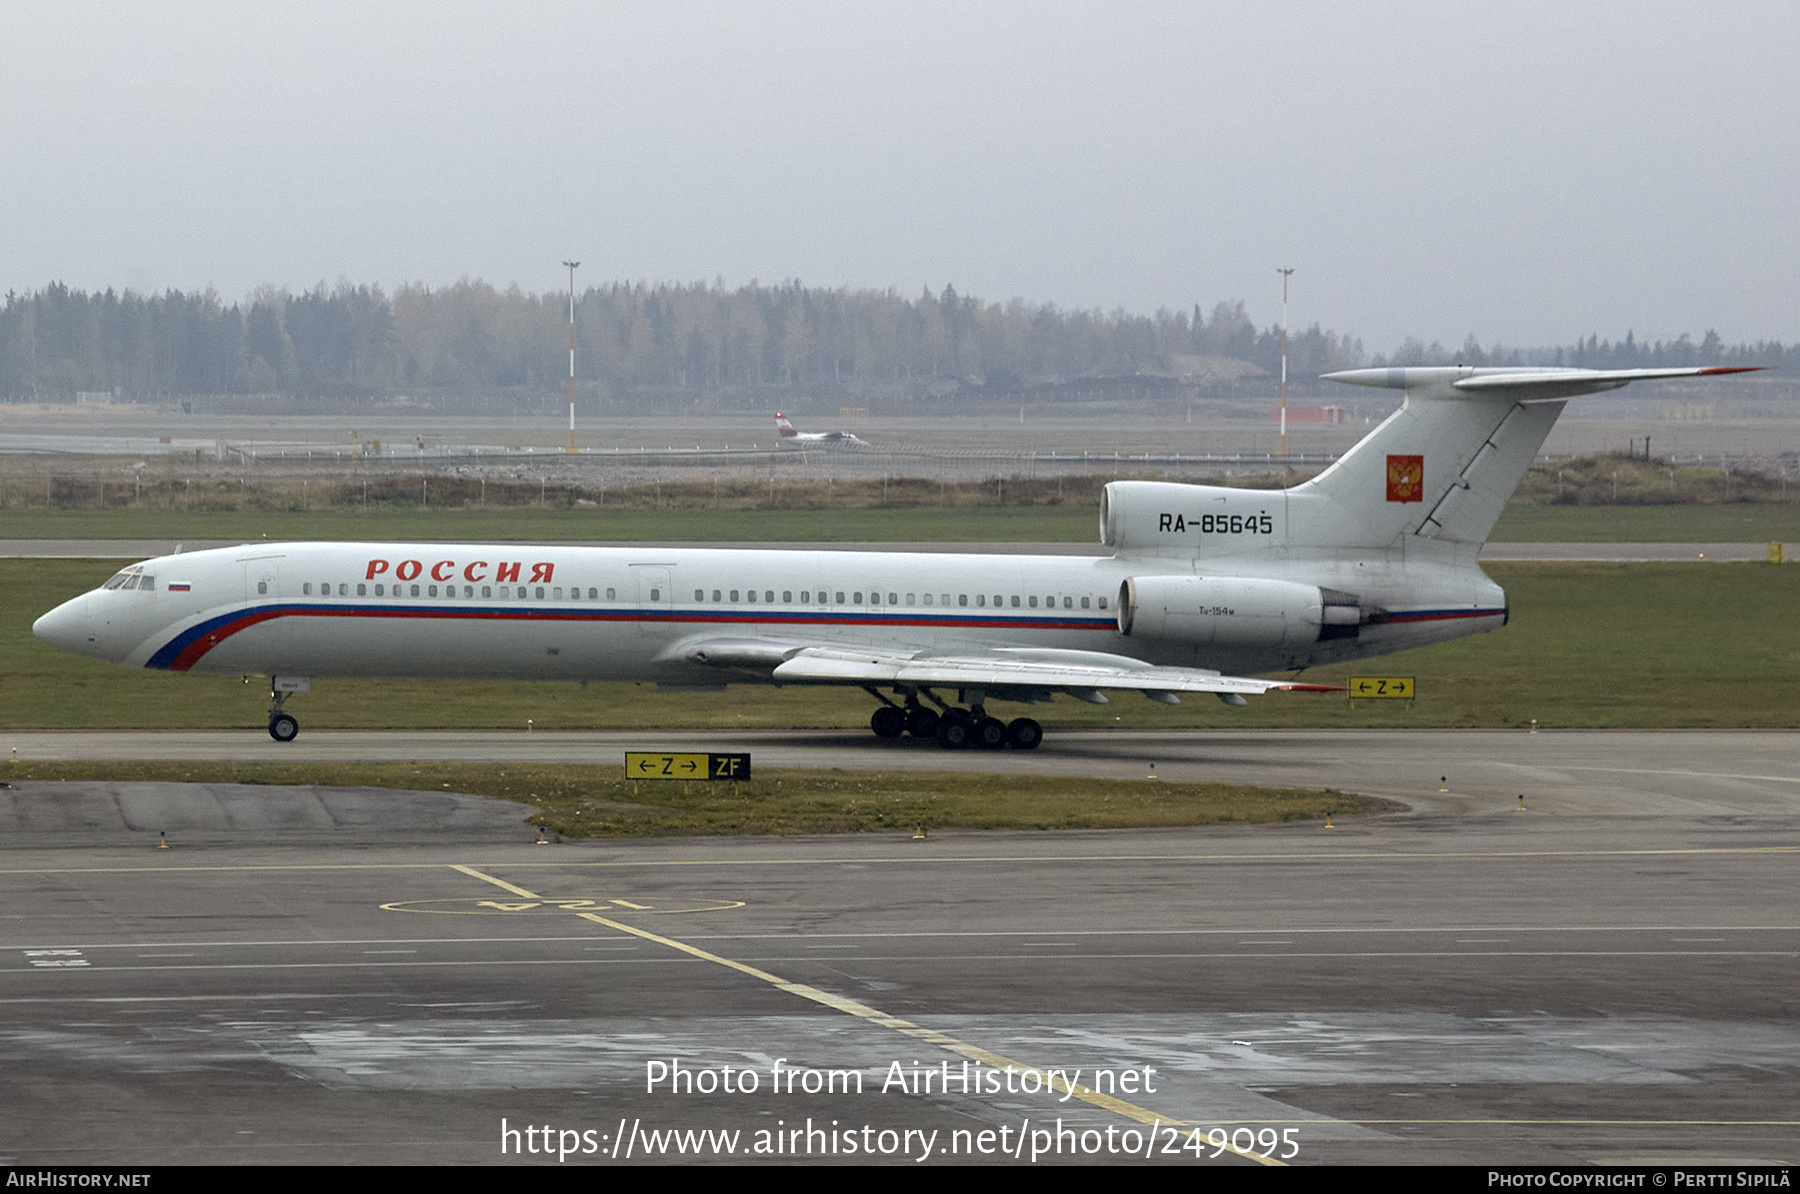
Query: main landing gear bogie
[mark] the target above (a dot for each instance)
(1024, 734)
(955, 729)
(922, 722)
(953, 732)
(888, 722)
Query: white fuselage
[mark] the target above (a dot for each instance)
(518, 611)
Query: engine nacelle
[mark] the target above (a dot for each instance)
(1171, 518)
(1241, 611)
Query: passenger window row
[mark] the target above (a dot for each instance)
(875, 598)
(720, 596)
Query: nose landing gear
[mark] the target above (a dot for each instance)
(282, 726)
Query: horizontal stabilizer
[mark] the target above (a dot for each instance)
(1515, 382)
(1559, 377)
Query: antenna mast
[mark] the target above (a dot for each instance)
(1284, 272)
(572, 265)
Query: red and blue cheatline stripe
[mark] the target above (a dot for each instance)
(188, 647)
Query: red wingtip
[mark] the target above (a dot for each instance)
(1732, 369)
(1311, 688)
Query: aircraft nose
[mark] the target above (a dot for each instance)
(68, 626)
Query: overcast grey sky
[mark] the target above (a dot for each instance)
(1526, 172)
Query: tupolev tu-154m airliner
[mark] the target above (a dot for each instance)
(1206, 587)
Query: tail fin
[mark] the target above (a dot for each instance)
(783, 428)
(1443, 466)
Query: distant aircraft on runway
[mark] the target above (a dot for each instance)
(842, 439)
(1206, 587)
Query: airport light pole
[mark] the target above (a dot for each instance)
(572, 265)
(1284, 272)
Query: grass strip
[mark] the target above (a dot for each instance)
(1736, 523)
(1593, 499)
(586, 800)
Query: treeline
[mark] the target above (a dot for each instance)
(361, 341)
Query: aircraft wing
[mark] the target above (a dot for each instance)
(1082, 674)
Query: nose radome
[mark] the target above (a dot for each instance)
(68, 626)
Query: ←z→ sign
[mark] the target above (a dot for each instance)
(656, 765)
(1388, 687)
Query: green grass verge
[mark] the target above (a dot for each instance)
(1747, 523)
(594, 801)
(1599, 499)
(1589, 645)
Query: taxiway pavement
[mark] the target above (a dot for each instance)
(1602, 772)
(1607, 977)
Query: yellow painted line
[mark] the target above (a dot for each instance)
(468, 907)
(930, 1035)
(875, 1016)
(518, 891)
(1056, 859)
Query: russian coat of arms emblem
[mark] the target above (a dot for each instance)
(1405, 478)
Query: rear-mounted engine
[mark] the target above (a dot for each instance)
(1235, 610)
